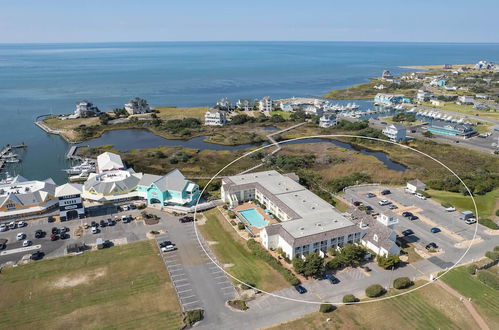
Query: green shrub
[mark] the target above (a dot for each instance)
(331, 252)
(489, 278)
(472, 269)
(238, 304)
(424, 193)
(388, 262)
(446, 205)
(231, 214)
(497, 212)
(488, 223)
(247, 285)
(496, 248)
(375, 290)
(260, 252)
(350, 298)
(402, 283)
(326, 308)
(241, 226)
(493, 255)
(232, 222)
(193, 316)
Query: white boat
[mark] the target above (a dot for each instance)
(86, 166)
(79, 177)
(12, 160)
(8, 179)
(9, 155)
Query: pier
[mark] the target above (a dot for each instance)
(8, 148)
(72, 154)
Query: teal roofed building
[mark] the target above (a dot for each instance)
(170, 189)
(452, 129)
(388, 99)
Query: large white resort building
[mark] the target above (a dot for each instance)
(214, 117)
(308, 223)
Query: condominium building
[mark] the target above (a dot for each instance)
(86, 109)
(395, 132)
(137, 106)
(328, 120)
(266, 104)
(214, 117)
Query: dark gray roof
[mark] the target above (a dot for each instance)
(375, 228)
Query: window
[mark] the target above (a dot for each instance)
(11, 206)
(333, 241)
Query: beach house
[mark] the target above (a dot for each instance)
(384, 99)
(215, 117)
(328, 120)
(86, 109)
(395, 132)
(423, 95)
(244, 105)
(137, 106)
(266, 104)
(224, 104)
(465, 99)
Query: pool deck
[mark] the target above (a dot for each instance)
(249, 205)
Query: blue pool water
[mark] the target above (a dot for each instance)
(254, 218)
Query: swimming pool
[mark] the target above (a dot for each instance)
(254, 218)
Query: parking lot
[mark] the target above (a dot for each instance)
(453, 234)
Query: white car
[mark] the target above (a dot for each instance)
(450, 209)
(470, 221)
(125, 207)
(420, 196)
(20, 236)
(384, 202)
(26, 243)
(95, 230)
(21, 224)
(12, 225)
(3, 227)
(168, 248)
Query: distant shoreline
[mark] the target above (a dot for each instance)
(429, 67)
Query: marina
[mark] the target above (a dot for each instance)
(8, 157)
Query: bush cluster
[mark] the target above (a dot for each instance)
(350, 298)
(488, 223)
(238, 304)
(326, 308)
(375, 290)
(193, 316)
(488, 278)
(241, 226)
(390, 261)
(472, 269)
(402, 283)
(260, 252)
(493, 255)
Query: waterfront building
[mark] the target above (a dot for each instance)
(70, 201)
(437, 102)
(109, 161)
(170, 189)
(484, 65)
(388, 99)
(244, 105)
(224, 104)
(447, 66)
(423, 95)
(266, 104)
(328, 120)
(387, 75)
(111, 186)
(137, 106)
(395, 132)
(465, 99)
(22, 197)
(313, 110)
(451, 129)
(86, 109)
(415, 185)
(308, 223)
(214, 117)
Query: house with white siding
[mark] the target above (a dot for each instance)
(214, 117)
(266, 104)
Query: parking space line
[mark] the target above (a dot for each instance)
(227, 287)
(181, 280)
(174, 275)
(219, 276)
(188, 297)
(181, 286)
(192, 302)
(179, 292)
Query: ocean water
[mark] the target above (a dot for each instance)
(38, 79)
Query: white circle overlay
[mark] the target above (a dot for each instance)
(331, 137)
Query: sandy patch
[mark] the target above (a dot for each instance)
(212, 242)
(79, 279)
(201, 219)
(426, 254)
(491, 232)
(228, 265)
(465, 244)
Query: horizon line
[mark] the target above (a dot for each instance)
(248, 41)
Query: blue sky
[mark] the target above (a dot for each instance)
(205, 20)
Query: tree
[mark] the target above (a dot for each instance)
(326, 308)
(350, 298)
(402, 283)
(104, 119)
(277, 118)
(388, 262)
(312, 265)
(428, 134)
(375, 290)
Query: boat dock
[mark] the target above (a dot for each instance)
(72, 154)
(7, 149)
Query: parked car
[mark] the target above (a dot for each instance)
(63, 229)
(26, 243)
(357, 203)
(166, 243)
(39, 233)
(420, 196)
(370, 195)
(168, 248)
(110, 222)
(368, 207)
(95, 230)
(435, 230)
(102, 223)
(12, 225)
(332, 279)
(125, 219)
(407, 232)
(55, 230)
(384, 202)
(470, 221)
(20, 236)
(393, 207)
(450, 209)
(300, 289)
(64, 235)
(94, 224)
(186, 219)
(413, 217)
(431, 246)
(54, 237)
(406, 214)
(132, 207)
(386, 192)
(125, 208)
(50, 219)
(3, 227)
(37, 255)
(21, 224)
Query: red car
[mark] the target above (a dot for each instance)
(53, 237)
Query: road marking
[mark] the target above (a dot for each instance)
(188, 297)
(179, 292)
(219, 276)
(192, 302)
(21, 249)
(177, 275)
(227, 287)
(181, 280)
(180, 286)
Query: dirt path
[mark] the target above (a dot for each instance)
(469, 306)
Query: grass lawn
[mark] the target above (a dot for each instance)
(122, 287)
(466, 109)
(340, 205)
(484, 298)
(486, 203)
(56, 123)
(429, 308)
(231, 249)
(284, 114)
(168, 113)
